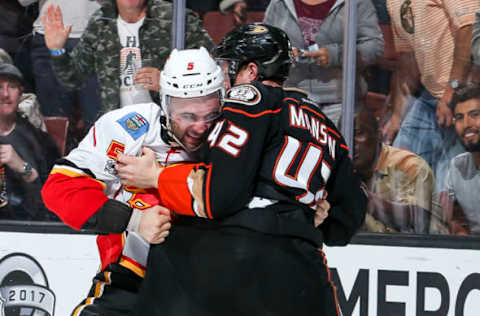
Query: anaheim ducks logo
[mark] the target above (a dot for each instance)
(258, 29)
(407, 17)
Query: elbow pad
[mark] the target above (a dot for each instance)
(112, 218)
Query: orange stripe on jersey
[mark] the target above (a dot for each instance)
(329, 277)
(334, 132)
(291, 99)
(98, 292)
(313, 111)
(132, 265)
(344, 147)
(252, 115)
(207, 194)
(173, 189)
(72, 174)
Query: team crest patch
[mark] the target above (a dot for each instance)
(245, 94)
(135, 124)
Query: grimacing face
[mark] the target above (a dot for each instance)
(191, 118)
(467, 123)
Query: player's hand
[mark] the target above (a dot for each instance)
(141, 172)
(155, 224)
(320, 55)
(56, 34)
(149, 77)
(321, 212)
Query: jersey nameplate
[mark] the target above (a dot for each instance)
(135, 124)
(245, 94)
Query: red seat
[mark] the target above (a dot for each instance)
(57, 128)
(218, 24)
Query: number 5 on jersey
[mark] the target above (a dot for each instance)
(231, 141)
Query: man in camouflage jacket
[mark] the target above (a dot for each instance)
(98, 51)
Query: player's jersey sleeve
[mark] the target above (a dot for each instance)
(80, 183)
(225, 182)
(347, 200)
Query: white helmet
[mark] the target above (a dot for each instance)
(189, 73)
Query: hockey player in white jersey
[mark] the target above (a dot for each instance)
(84, 190)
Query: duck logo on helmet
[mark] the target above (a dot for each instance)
(24, 288)
(258, 29)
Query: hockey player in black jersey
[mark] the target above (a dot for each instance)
(245, 242)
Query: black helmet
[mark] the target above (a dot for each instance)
(265, 45)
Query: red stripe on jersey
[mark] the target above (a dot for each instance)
(73, 199)
(94, 137)
(252, 115)
(344, 147)
(173, 189)
(313, 111)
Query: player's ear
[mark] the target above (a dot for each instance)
(252, 69)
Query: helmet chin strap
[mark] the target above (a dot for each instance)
(168, 136)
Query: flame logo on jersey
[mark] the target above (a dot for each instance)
(142, 198)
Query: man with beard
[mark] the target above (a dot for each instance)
(463, 179)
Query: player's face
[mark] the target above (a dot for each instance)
(10, 93)
(191, 118)
(366, 142)
(467, 124)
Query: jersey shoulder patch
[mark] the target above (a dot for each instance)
(135, 124)
(244, 94)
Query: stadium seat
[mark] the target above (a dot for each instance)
(57, 127)
(218, 24)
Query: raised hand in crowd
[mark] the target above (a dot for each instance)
(56, 34)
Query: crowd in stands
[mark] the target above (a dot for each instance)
(417, 151)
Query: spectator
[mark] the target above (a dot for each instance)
(28, 102)
(54, 99)
(399, 183)
(26, 153)
(321, 22)
(463, 178)
(435, 39)
(118, 32)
